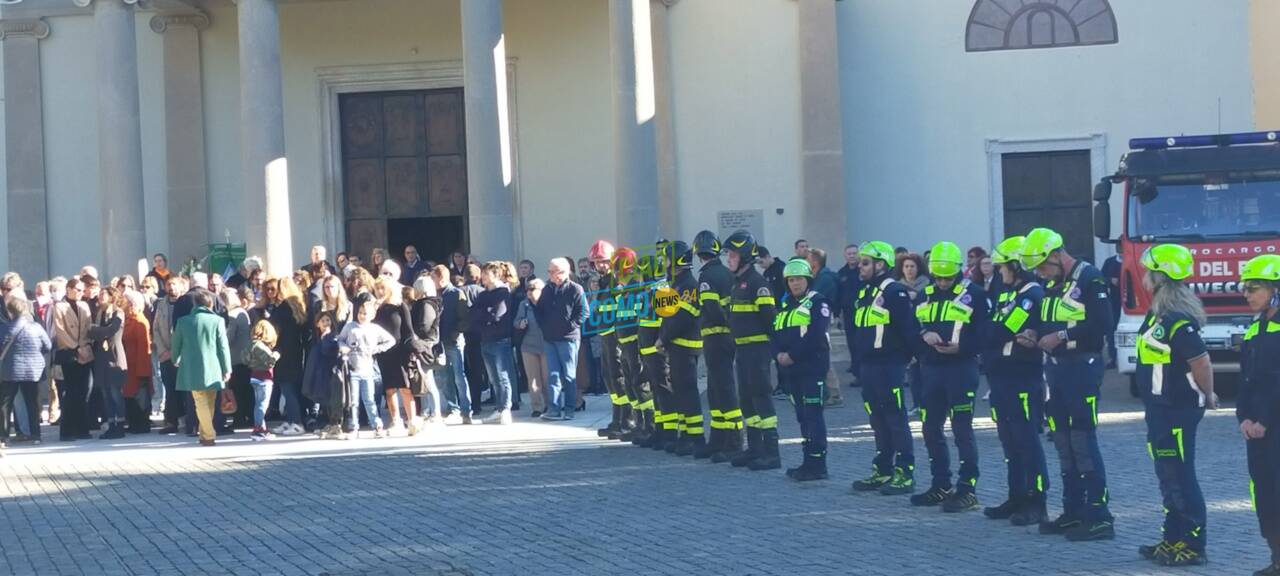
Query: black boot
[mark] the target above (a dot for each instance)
(751, 453)
(673, 441)
(612, 428)
(1031, 513)
(661, 436)
(645, 433)
(767, 458)
(731, 447)
(1005, 510)
(114, 432)
(626, 426)
(707, 449)
(690, 445)
(812, 469)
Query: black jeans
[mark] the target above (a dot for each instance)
(74, 393)
(8, 392)
(173, 405)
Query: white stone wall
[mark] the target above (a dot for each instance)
(736, 85)
(918, 108)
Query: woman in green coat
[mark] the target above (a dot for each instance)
(203, 358)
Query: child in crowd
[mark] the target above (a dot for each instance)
(357, 344)
(261, 360)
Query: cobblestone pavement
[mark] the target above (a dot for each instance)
(540, 498)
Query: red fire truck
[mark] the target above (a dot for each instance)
(1218, 195)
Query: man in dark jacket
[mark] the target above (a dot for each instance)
(848, 283)
(771, 269)
(473, 360)
(561, 308)
(451, 377)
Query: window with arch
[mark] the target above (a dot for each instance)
(1023, 24)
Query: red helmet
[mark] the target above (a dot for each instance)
(624, 260)
(601, 250)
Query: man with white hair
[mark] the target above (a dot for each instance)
(247, 268)
(561, 308)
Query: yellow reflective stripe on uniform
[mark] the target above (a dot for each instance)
(647, 350)
(715, 330)
(745, 308)
(690, 308)
(722, 425)
(705, 296)
(1017, 318)
(1026, 405)
(619, 400)
(736, 413)
(767, 423)
(751, 339)
(766, 301)
(606, 332)
(646, 405)
(628, 339)
(752, 421)
(687, 343)
(650, 323)
(1093, 406)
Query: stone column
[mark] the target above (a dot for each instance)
(184, 134)
(489, 173)
(28, 221)
(664, 124)
(124, 230)
(822, 146)
(635, 148)
(264, 170)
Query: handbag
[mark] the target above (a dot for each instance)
(228, 400)
(417, 375)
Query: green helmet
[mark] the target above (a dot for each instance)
(797, 267)
(1265, 268)
(1008, 250)
(945, 259)
(877, 250)
(1173, 260)
(1038, 245)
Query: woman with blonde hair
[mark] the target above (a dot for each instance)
(334, 303)
(284, 307)
(109, 361)
(361, 282)
(393, 315)
(1175, 377)
(261, 360)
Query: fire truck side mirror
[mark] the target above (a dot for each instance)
(1102, 191)
(1102, 221)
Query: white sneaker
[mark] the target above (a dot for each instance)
(494, 417)
(380, 433)
(414, 428)
(505, 417)
(343, 436)
(437, 421)
(292, 430)
(279, 430)
(453, 419)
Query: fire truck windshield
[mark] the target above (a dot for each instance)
(1205, 206)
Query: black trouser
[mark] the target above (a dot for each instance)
(96, 407)
(949, 390)
(637, 387)
(74, 393)
(244, 396)
(664, 409)
(8, 393)
(1264, 483)
(173, 404)
(722, 393)
(473, 365)
(882, 397)
(1017, 408)
(137, 410)
(808, 395)
(751, 366)
(684, 389)
(1171, 442)
(611, 360)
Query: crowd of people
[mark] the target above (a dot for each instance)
(308, 350)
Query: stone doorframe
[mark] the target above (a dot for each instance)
(335, 81)
(1095, 143)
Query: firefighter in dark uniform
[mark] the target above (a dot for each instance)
(1076, 316)
(802, 349)
(1171, 355)
(681, 339)
(715, 282)
(751, 312)
(652, 271)
(886, 333)
(1015, 374)
(1258, 401)
(603, 311)
(631, 305)
(952, 314)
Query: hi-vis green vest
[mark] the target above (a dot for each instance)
(796, 317)
(955, 312)
(1061, 307)
(875, 314)
(1154, 350)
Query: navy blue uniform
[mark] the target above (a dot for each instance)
(1080, 306)
(1174, 408)
(800, 330)
(957, 315)
(886, 333)
(1015, 374)
(1259, 401)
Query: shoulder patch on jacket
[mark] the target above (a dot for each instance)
(764, 291)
